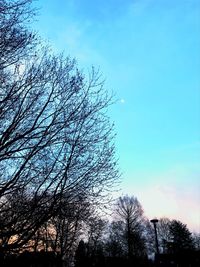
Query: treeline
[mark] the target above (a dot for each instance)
(77, 237)
(129, 240)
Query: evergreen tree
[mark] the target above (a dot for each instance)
(181, 237)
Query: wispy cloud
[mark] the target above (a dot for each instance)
(174, 193)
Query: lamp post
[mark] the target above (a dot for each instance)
(155, 221)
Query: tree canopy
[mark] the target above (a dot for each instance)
(56, 140)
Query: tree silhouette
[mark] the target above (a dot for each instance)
(16, 40)
(130, 211)
(56, 140)
(196, 240)
(116, 247)
(81, 258)
(181, 237)
(164, 232)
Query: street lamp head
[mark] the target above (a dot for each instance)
(154, 221)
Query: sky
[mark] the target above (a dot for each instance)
(148, 51)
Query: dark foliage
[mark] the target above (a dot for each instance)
(181, 238)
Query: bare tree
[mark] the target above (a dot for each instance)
(96, 230)
(130, 212)
(55, 137)
(116, 244)
(67, 227)
(164, 235)
(62, 233)
(16, 40)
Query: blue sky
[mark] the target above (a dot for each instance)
(149, 53)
